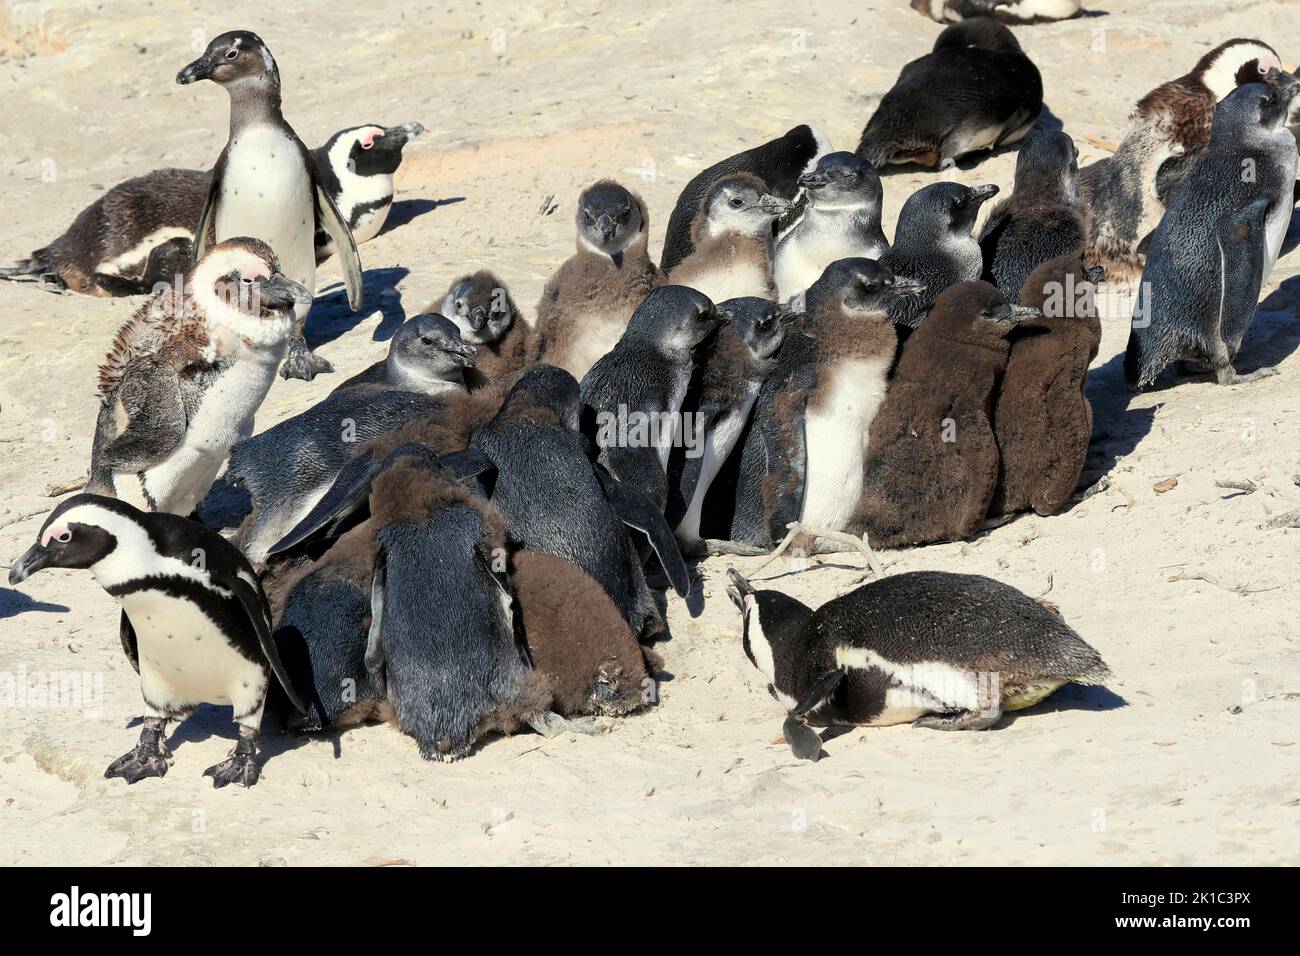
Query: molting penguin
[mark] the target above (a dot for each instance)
(633, 396)
(586, 304)
(932, 459)
(732, 239)
(481, 306)
(937, 650)
(841, 221)
(1217, 243)
(187, 374)
(355, 169)
(975, 91)
(265, 183)
(778, 163)
(741, 355)
(1042, 419)
(933, 244)
(1013, 12)
(195, 624)
(1040, 220)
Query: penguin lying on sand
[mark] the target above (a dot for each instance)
(778, 163)
(481, 306)
(141, 232)
(427, 354)
(1040, 220)
(1217, 243)
(976, 90)
(1005, 11)
(186, 376)
(587, 302)
(932, 459)
(195, 623)
(937, 650)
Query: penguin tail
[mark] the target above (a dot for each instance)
(28, 267)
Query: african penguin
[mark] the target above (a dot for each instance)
(482, 308)
(1217, 243)
(633, 396)
(778, 163)
(186, 375)
(265, 183)
(587, 302)
(732, 240)
(937, 650)
(976, 90)
(933, 245)
(195, 623)
(841, 221)
(1014, 12)
(355, 168)
(427, 354)
(932, 460)
(1040, 220)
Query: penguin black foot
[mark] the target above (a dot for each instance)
(150, 758)
(240, 767)
(303, 363)
(551, 724)
(805, 743)
(1229, 375)
(965, 720)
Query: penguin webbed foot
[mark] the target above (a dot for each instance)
(149, 758)
(550, 724)
(1230, 376)
(962, 720)
(805, 743)
(303, 363)
(240, 767)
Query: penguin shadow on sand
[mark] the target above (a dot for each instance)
(1117, 428)
(13, 603)
(405, 210)
(331, 316)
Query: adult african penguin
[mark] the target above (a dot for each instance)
(355, 169)
(195, 623)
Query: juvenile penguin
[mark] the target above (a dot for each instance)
(633, 396)
(937, 650)
(778, 163)
(741, 355)
(265, 183)
(195, 624)
(975, 91)
(427, 354)
(933, 244)
(481, 306)
(732, 239)
(932, 459)
(186, 376)
(355, 169)
(841, 221)
(1040, 220)
(1217, 243)
(1004, 11)
(586, 304)
(1042, 420)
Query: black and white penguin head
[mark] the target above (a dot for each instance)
(369, 150)
(238, 286)
(1253, 107)
(1235, 63)
(235, 59)
(759, 323)
(843, 180)
(941, 211)
(859, 287)
(772, 624)
(609, 218)
(739, 205)
(106, 535)
(674, 319)
(1048, 158)
(429, 348)
(544, 392)
(481, 306)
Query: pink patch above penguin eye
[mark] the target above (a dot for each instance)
(259, 271)
(56, 533)
(368, 140)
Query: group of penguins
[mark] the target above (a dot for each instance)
(476, 534)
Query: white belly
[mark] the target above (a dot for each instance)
(131, 263)
(749, 279)
(1044, 9)
(369, 224)
(804, 254)
(718, 444)
(836, 439)
(266, 193)
(599, 336)
(185, 660)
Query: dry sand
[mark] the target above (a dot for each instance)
(1191, 756)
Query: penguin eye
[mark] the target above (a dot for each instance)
(426, 340)
(63, 537)
(737, 202)
(245, 281)
(231, 54)
(367, 145)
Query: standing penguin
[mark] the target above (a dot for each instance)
(1042, 420)
(265, 183)
(732, 239)
(841, 221)
(937, 650)
(932, 459)
(1040, 220)
(586, 304)
(195, 623)
(633, 396)
(481, 306)
(355, 169)
(186, 376)
(778, 163)
(934, 245)
(975, 91)
(1217, 243)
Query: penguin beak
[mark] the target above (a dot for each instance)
(606, 226)
(738, 588)
(478, 317)
(398, 136)
(1014, 314)
(35, 558)
(983, 193)
(813, 180)
(279, 292)
(905, 286)
(462, 353)
(774, 204)
(200, 69)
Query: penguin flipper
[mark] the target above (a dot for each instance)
(255, 606)
(344, 243)
(374, 659)
(130, 646)
(345, 495)
(209, 210)
(637, 511)
(150, 398)
(805, 743)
